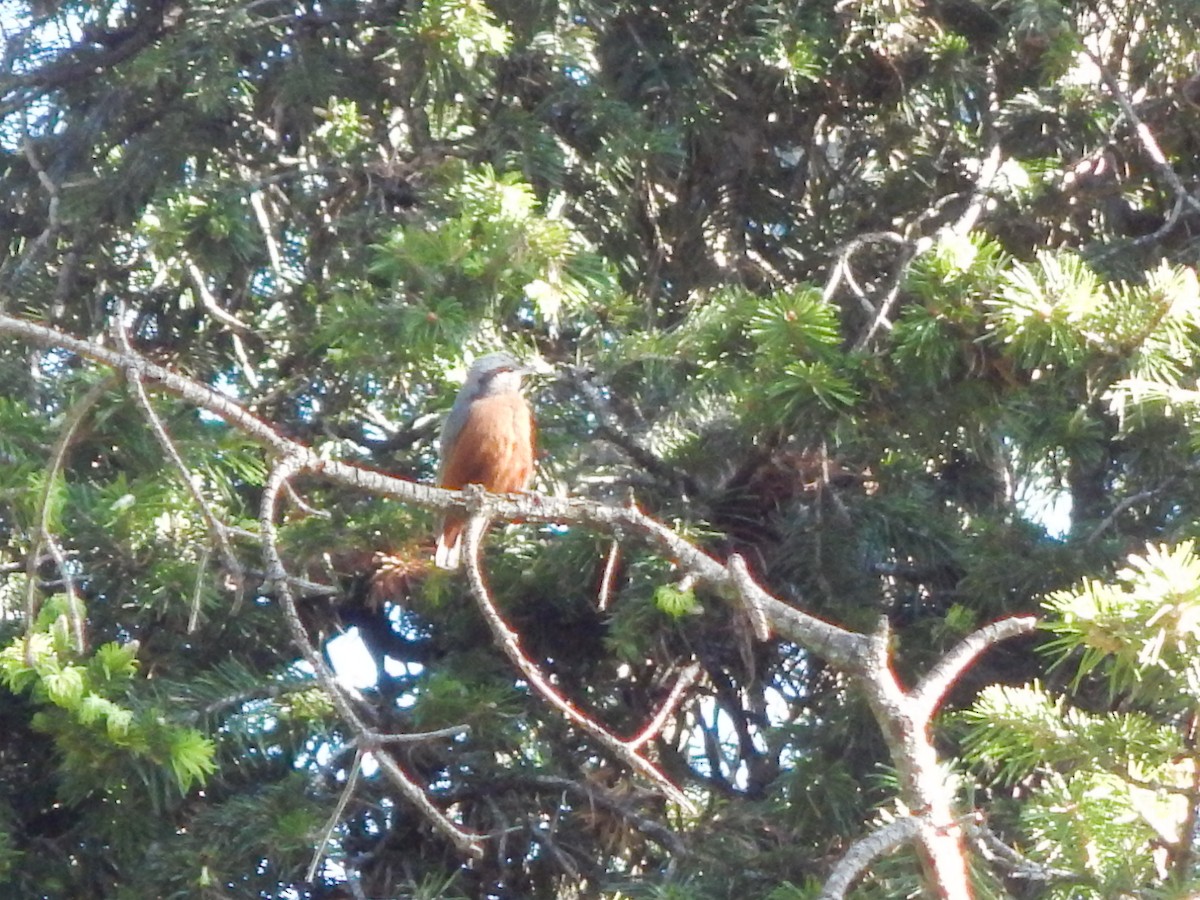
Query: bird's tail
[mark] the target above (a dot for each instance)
(449, 545)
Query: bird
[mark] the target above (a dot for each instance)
(487, 439)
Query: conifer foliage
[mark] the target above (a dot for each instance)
(861, 555)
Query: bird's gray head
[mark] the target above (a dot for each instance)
(494, 373)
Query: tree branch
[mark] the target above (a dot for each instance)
(1144, 135)
(53, 222)
(904, 718)
(611, 429)
(510, 643)
(655, 725)
(336, 816)
(45, 538)
(863, 852)
(466, 842)
(216, 528)
(928, 693)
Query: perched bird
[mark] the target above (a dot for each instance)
(487, 439)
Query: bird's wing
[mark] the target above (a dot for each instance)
(451, 429)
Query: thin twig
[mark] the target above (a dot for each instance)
(1144, 135)
(335, 817)
(375, 739)
(610, 428)
(842, 270)
(466, 842)
(606, 579)
(1130, 501)
(239, 328)
(216, 528)
(264, 225)
(686, 679)
(607, 800)
(45, 538)
(544, 839)
(209, 302)
(53, 224)
(911, 249)
(198, 590)
(1146, 239)
(269, 692)
(993, 849)
(304, 506)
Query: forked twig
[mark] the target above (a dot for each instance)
(467, 842)
(510, 643)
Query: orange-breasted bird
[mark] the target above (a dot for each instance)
(487, 439)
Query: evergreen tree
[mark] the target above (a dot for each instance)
(869, 331)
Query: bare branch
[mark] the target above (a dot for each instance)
(1133, 500)
(467, 842)
(189, 390)
(843, 271)
(655, 725)
(610, 571)
(863, 852)
(214, 309)
(209, 302)
(216, 528)
(335, 817)
(611, 429)
(304, 506)
(269, 692)
(746, 590)
(543, 838)
(1016, 865)
(45, 538)
(264, 224)
(374, 740)
(839, 646)
(836, 644)
(1144, 135)
(989, 169)
(932, 688)
(53, 224)
(608, 801)
(198, 590)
